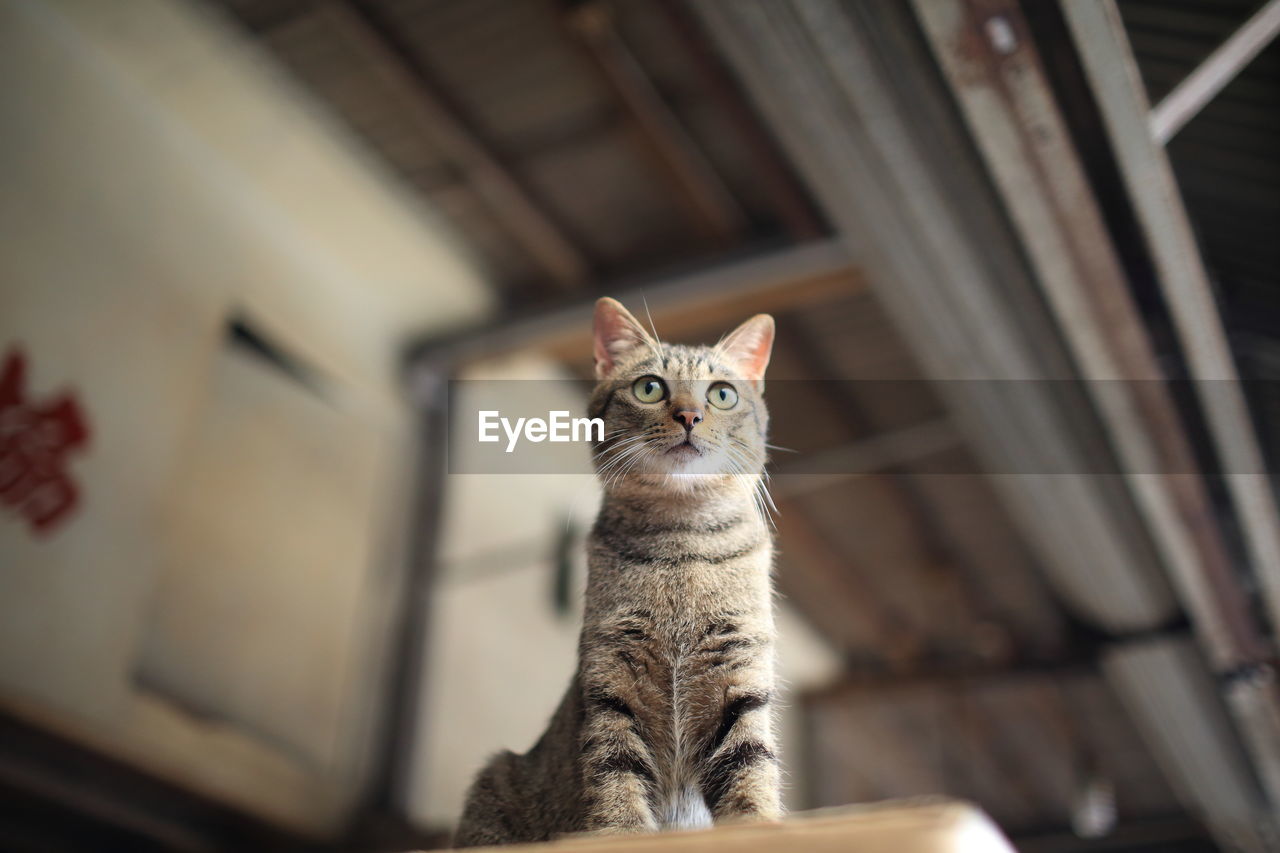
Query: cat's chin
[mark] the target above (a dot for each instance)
(690, 476)
(685, 483)
(684, 462)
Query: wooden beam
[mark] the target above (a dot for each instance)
(970, 744)
(727, 293)
(770, 169)
(442, 120)
(676, 156)
(1211, 76)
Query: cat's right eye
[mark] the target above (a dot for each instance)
(649, 389)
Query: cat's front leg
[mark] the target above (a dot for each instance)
(740, 776)
(619, 779)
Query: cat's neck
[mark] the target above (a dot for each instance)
(707, 502)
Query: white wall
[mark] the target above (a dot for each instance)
(210, 612)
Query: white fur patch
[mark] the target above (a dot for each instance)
(687, 810)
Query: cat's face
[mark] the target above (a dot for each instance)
(679, 417)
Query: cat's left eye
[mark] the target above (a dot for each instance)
(649, 389)
(722, 395)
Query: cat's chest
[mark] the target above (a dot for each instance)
(676, 553)
(666, 586)
(672, 617)
(681, 582)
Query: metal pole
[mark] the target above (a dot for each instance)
(1202, 85)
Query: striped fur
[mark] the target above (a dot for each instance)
(667, 721)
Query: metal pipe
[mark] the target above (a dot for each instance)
(1016, 122)
(1005, 95)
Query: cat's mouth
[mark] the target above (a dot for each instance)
(686, 447)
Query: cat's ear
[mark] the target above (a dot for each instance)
(616, 333)
(749, 346)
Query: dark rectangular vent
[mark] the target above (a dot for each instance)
(249, 337)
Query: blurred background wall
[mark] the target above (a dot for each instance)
(174, 255)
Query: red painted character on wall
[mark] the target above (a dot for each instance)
(35, 441)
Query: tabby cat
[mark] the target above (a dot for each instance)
(667, 720)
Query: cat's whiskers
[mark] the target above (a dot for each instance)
(608, 444)
(627, 471)
(613, 446)
(622, 464)
(740, 471)
(620, 457)
(655, 343)
(622, 472)
(739, 452)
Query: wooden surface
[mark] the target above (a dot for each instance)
(928, 826)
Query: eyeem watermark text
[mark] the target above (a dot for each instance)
(558, 427)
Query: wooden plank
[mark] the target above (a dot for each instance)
(936, 825)
(875, 454)
(727, 294)
(677, 158)
(788, 197)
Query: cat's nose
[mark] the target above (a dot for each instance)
(687, 418)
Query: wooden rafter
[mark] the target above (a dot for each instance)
(440, 118)
(774, 281)
(675, 155)
(770, 169)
